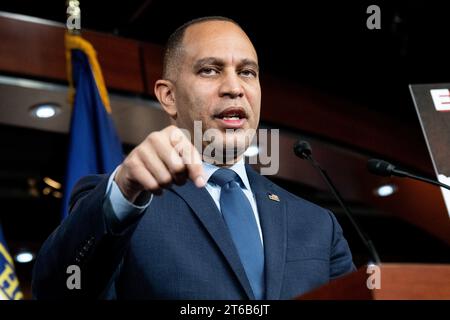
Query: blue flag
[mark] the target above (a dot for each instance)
(94, 146)
(9, 284)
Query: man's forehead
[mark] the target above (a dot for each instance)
(215, 38)
(212, 26)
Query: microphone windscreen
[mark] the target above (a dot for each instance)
(302, 149)
(380, 167)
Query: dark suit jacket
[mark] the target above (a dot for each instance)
(181, 248)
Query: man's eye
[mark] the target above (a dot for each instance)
(208, 71)
(248, 73)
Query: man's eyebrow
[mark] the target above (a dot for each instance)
(209, 61)
(249, 63)
(220, 63)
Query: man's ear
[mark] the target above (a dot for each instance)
(164, 91)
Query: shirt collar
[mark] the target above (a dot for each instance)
(238, 167)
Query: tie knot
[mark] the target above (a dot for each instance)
(224, 176)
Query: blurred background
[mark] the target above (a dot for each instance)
(325, 77)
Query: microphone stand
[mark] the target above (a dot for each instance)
(367, 242)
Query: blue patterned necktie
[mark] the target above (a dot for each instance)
(238, 215)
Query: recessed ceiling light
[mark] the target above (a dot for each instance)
(385, 190)
(45, 110)
(24, 257)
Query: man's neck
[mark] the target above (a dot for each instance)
(226, 164)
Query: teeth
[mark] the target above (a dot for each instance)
(230, 118)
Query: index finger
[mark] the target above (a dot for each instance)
(190, 156)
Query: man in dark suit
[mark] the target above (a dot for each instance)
(168, 224)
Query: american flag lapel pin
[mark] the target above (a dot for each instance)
(274, 197)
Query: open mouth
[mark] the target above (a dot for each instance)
(233, 117)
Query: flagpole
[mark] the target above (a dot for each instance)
(94, 146)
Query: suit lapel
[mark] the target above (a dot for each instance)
(272, 215)
(207, 212)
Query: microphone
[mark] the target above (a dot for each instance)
(386, 169)
(303, 150)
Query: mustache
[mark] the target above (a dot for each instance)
(231, 111)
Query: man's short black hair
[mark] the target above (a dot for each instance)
(174, 43)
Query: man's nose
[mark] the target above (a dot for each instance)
(231, 86)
